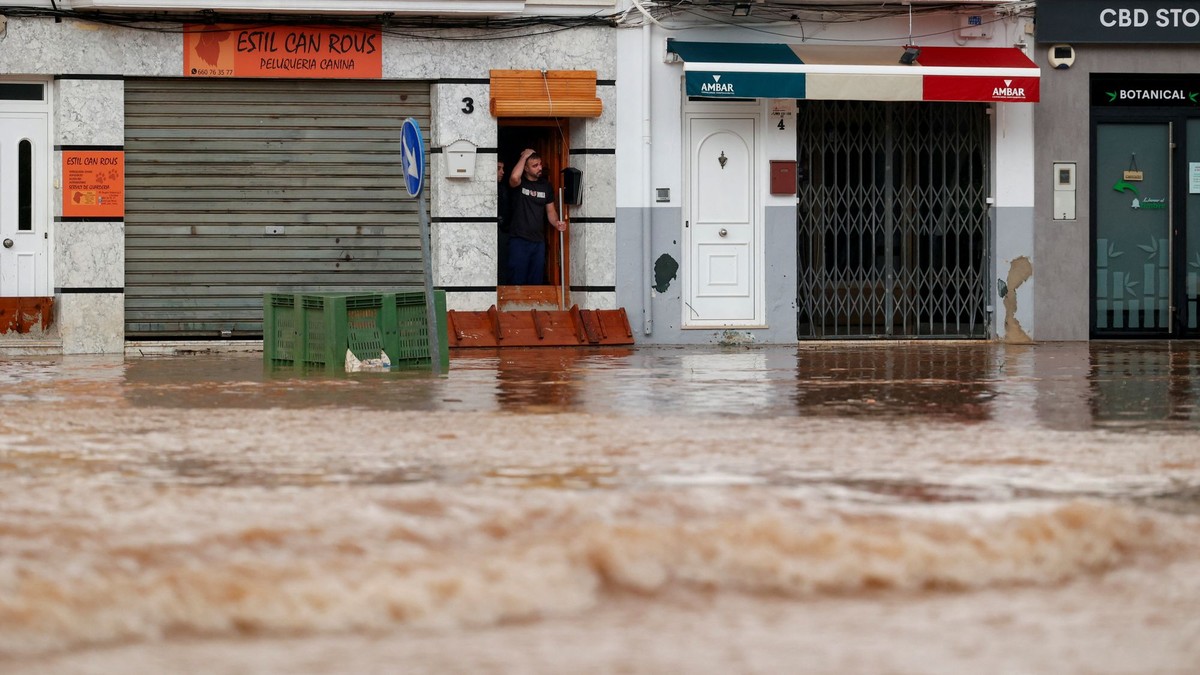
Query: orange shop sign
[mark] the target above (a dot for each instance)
(93, 184)
(227, 50)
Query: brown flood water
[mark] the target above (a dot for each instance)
(847, 508)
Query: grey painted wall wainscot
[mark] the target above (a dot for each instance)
(667, 222)
(89, 255)
(1014, 234)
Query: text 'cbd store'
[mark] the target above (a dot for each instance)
(832, 191)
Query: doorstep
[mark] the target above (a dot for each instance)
(30, 345)
(191, 347)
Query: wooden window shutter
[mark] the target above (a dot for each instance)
(557, 93)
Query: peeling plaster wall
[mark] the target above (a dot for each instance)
(1019, 272)
(1014, 244)
(1012, 225)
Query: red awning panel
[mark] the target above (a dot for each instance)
(982, 85)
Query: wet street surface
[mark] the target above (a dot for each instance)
(840, 508)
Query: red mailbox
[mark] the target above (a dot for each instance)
(783, 177)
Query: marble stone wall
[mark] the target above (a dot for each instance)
(463, 210)
(593, 222)
(43, 46)
(603, 300)
(90, 112)
(593, 229)
(88, 256)
(86, 323)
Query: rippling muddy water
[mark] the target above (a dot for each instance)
(903, 508)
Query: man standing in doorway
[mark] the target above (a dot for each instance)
(531, 206)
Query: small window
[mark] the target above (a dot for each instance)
(22, 91)
(25, 186)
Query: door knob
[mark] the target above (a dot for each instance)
(722, 232)
(8, 243)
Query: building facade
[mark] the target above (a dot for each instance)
(821, 172)
(1118, 170)
(803, 171)
(165, 165)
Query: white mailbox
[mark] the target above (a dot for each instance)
(460, 159)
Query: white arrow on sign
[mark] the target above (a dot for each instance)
(410, 156)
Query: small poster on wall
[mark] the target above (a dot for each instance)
(93, 184)
(781, 113)
(1194, 178)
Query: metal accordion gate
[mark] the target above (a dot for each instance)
(893, 221)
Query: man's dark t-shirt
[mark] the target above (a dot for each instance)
(529, 201)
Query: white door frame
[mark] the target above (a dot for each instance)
(43, 198)
(706, 110)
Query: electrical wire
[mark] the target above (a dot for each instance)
(479, 29)
(422, 27)
(791, 34)
(769, 15)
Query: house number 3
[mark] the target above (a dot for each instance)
(468, 105)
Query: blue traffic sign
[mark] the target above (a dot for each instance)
(412, 157)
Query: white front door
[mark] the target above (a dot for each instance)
(23, 204)
(721, 233)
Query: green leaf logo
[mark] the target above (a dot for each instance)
(1112, 96)
(1122, 186)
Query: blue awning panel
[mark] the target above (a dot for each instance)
(730, 84)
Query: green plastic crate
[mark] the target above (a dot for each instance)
(312, 331)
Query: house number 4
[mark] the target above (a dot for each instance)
(468, 105)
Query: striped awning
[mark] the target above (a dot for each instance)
(861, 73)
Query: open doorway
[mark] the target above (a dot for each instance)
(549, 139)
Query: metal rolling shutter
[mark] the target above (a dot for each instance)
(236, 188)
